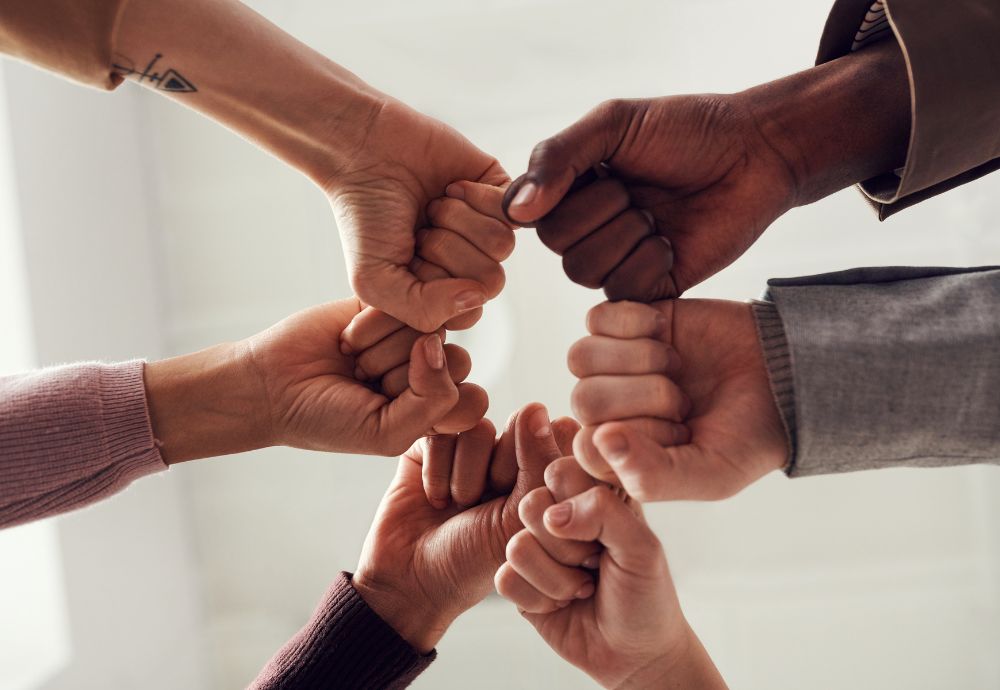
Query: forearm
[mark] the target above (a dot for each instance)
(839, 123)
(239, 69)
(346, 644)
(886, 367)
(207, 404)
(71, 436)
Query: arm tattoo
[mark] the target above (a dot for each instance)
(169, 80)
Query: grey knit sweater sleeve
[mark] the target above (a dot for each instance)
(885, 367)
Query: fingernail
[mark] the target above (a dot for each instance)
(455, 191)
(345, 349)
(539, 424)
(467, 301)
(592, 562)
(434, 352)
(559, 514)
(525, 195)
(586, 591)
(614, 447)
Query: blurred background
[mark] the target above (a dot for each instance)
(131, 227)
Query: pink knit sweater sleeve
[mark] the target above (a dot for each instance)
(70, 436)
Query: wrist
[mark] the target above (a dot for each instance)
(207, 404)
(685, 664)
(839, 123)
(416, 620)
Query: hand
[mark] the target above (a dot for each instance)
(380, 198)
(624, 628)
(632, 395)
(422, 565)
(383, 346)
(692, 181)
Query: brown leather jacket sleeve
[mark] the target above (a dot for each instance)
(952, 51)
(71, 37)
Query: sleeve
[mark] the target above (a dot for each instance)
(73, 38)
(885, 367)
(71, 436)
(345, 645)
(952, 53)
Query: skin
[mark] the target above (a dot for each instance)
(378, 161)
(649, 197)
(625, 627)
(732, 433)
(422, 565)
(291, 385)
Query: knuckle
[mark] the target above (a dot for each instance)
(434, 245)
(551, 233)
(583, 401)
(579, 357)
(501, 244)
(519, 548)
(581, 268)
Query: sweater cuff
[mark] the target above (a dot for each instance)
(344, 645)
(71, 436)
(778, 359)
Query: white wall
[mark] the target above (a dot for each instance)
(92, 288)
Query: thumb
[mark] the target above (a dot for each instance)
(425, 306)
(651, 472)
(535, 447)
(600, 514)
(431, 395)
(558, 161)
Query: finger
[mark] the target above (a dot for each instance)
(593, 258)
(473, 401)
(601, 514)
(649, 471)
(431, 395)
(628, 320)
(426, 271)
(599, 354)
(436, 470)
(581, 213)
(397, 380)
(492, 237)
(662, 433)
(556, 162)
(565, 478)
(386, 354)
(553, 579)
(568, 552)
(472, 461)
(503, 468)
(515, 588)
(461, 258)
(535, 446)
(564, 429)
(644, 276)
(597, 399)
(423, 306)
(485, 199)
(368, 328)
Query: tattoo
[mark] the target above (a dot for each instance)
(170, 80)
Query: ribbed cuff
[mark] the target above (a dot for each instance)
(70, 436)
(345, 645)
(777, 357)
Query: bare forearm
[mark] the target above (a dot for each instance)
(226, 61)
(840, 123)
(207, 404)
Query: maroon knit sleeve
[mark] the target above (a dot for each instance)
(344, 645)
(70, 436)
